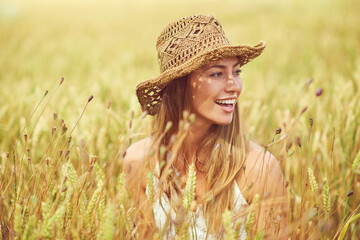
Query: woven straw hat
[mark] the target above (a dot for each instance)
(184, 46)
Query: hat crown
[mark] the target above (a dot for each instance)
(187, 38)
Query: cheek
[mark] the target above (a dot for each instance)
(205, 91)
(241, 87)
(199, 95)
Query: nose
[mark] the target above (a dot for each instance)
(234, 85)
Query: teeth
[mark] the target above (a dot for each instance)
(225, 101)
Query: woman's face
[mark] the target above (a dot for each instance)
(215, 88)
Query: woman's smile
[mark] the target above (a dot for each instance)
(227, 105)
(215, 89)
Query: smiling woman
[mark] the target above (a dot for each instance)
(201, 166)
(215, 89)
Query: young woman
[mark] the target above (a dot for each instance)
(200, 76)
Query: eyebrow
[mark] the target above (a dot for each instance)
(221, 66)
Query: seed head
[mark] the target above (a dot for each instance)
(150, 188)
(54, 116)
(90, 98)
(356, 161)
(309, 81)
(318, 92)
(189, 193)
(46, 92)
(172, 139)
(61, 81)
(226, 217)
(350, 193)
(63, 129)
(312, 180)
(326, 196)
(304, 110)
(311, 121)
(168, 126)
(192, 118)
(278, 131)
(108, 105)
(251, 215)
(17, 219)
(185, 114)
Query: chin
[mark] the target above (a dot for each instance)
(224, 121)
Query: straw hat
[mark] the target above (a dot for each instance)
(184, 46)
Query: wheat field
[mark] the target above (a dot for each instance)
(68, 110)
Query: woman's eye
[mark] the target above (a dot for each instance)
(237, 72)
(217, 74)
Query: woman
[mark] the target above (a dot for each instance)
(200, 75)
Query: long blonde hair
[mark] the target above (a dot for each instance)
(225, 146)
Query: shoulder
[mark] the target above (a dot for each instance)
(259, 159)
(136, 154)
(261, 172)
(134, 166)
(263, 176)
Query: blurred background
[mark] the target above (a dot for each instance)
(105, 48)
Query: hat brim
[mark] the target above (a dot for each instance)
(149, 92)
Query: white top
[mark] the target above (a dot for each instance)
(199, 231)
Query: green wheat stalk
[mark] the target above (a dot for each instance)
(189, 193)
(228, 225)
(30, 225)
(47, 228)
(17, 219)
(150, 191)
(107, 229)
(250, 219)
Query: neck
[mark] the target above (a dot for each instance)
(196, 134)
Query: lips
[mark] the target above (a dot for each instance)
(226, 104)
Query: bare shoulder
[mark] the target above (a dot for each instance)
(261, 173)
(134, 168)
(259, 157)
(263, 176)
(136, 154)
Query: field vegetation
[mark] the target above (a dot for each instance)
(68, 110)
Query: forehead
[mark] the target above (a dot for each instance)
(229, 61)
